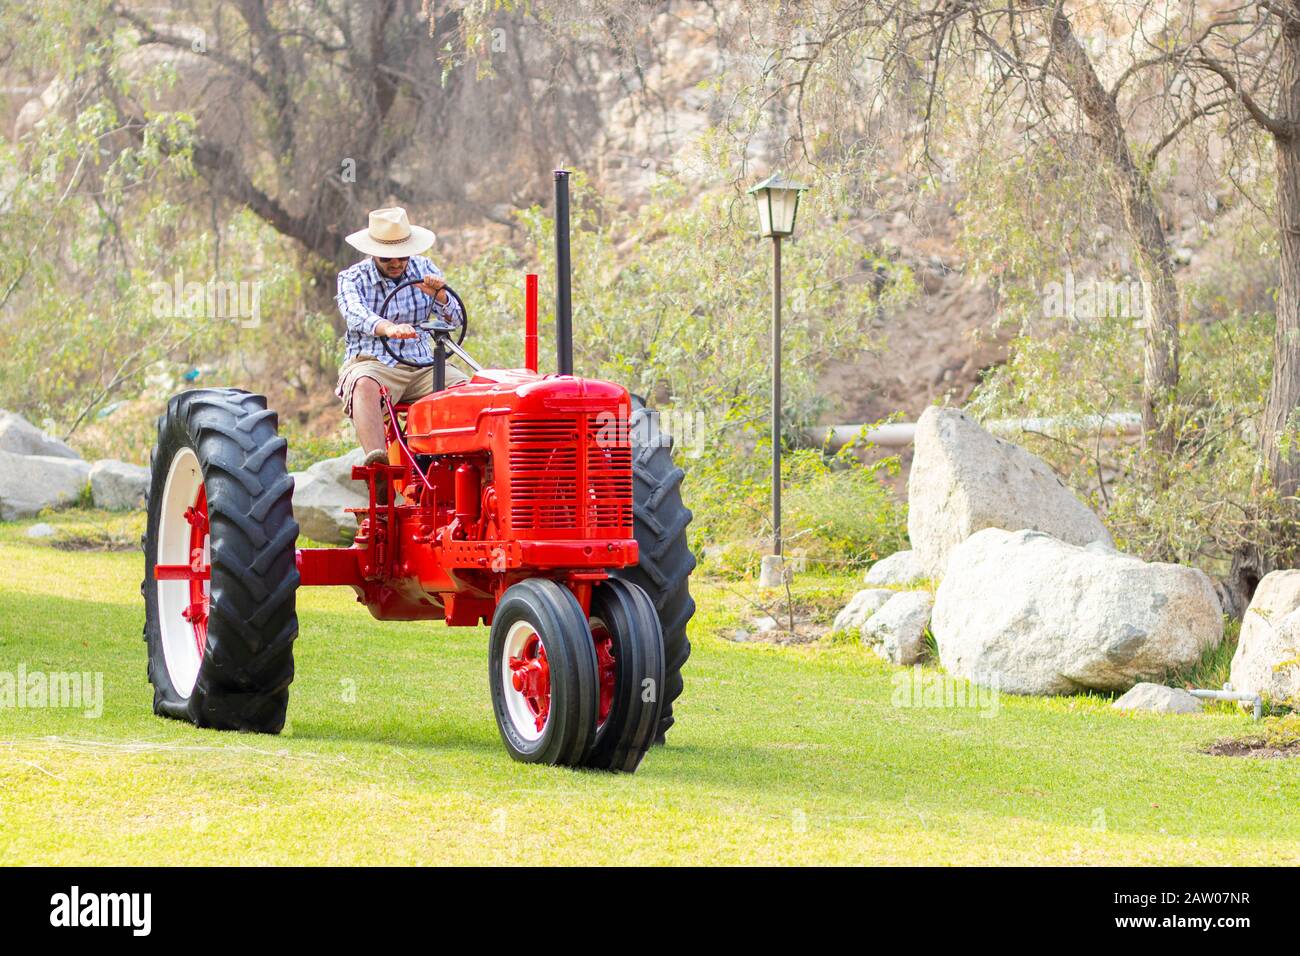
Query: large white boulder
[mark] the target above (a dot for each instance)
(964, 480)
(897, 631)
(323, 492)
(1029, 614)
(1267, 660)
(900, 569)
(20, 437)
(117, 485)
(30, 483)
(860, 607)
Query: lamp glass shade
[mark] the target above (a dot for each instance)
(777, 200)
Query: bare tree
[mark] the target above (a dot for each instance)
(309, 114)
(1029, 66)
(1242, 64)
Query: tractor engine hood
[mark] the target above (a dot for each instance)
(461, 419)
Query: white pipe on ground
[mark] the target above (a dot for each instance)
(1256, 702)
(902, 434)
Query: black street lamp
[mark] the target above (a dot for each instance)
(777, 199)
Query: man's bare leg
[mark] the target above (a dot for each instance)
(367, 416)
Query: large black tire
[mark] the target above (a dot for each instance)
(626, 613)
(244, 671)
(545, 610)
(666, 562)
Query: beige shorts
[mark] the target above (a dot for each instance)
(404, 384)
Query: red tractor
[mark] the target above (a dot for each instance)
(546, 506)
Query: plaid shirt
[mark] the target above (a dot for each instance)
(362, 289)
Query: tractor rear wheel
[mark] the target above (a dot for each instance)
(630, 661)
(666, 562)
(542, 672)
(220, 570)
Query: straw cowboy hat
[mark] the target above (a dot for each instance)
(390, 235)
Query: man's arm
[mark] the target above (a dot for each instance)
(359, 317)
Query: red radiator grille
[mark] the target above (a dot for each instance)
(552, 458)
(609, 472)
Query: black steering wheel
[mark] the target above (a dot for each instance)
(433, 325)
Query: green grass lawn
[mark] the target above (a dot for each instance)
(781, 754)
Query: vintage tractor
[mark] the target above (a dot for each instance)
(546, 506)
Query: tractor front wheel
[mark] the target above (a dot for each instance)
(542, 671)
(220, 572)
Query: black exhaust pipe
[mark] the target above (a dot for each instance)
(563, 290)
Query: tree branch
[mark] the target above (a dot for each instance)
(1279, 129)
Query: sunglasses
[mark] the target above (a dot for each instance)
(387, 261)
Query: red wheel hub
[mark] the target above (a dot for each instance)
(530, 675)
(198, 572)
(606, 669)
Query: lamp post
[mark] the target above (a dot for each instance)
(777, 199)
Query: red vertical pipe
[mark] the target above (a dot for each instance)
(530, 321)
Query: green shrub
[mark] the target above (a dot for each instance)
(1197, 505)
(836, 511)
(841, 515)
(1282, 731)
(732, 559)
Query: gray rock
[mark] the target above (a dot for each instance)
(117, 485)
(1267, 659)
(860, 607)
(897, 631)
(20, 437)
(42, 530)
(900, 569)
(1158, 699)
(964, 480)
(323, 492)
(765, 625)
(30, 483)
(1028, 614)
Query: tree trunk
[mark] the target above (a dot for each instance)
(1279, 436)
(1278, 433)
(1142, 222)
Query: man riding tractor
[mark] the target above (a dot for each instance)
(392, 246)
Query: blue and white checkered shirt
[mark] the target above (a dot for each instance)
(362, 289)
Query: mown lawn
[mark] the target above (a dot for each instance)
(781, 754)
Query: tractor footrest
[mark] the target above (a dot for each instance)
(363, 472)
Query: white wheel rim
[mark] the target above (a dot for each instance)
(180, 651)
(521, 716)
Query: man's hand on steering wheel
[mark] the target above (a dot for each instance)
(395, 330)
(386, 329)
(432, 287)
